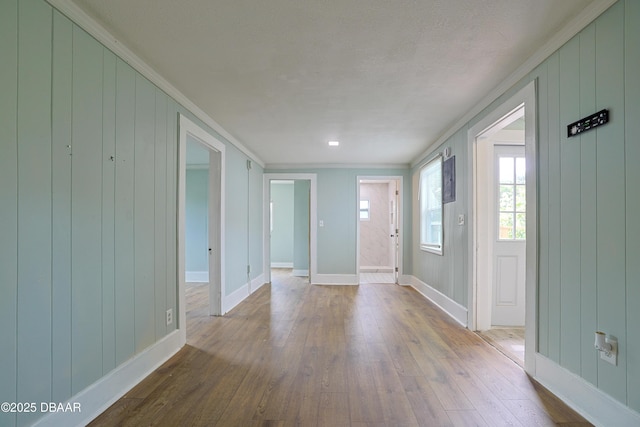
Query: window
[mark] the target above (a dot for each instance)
(512, 198)
(430, 198)
(364, 210)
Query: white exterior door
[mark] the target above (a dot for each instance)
(509, 207)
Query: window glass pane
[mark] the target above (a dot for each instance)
(506, 198)
(506, 170)
(521, 198)
(506, 226)
(364, 214)
(521, 226)
(431, 205)
(521, 170)
(364, 204)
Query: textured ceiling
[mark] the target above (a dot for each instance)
(386, 78)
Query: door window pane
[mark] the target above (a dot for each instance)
(520, 170)
(512, 198)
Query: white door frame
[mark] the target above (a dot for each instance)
(527, 97)
(216, 288)
(313, 222)
(387, 178)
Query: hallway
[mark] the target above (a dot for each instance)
(295, 354)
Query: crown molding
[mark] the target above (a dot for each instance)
(91, 26)
(573, 27)
(306, 166)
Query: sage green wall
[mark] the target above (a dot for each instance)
(88, 190)
(256, 218)
(301, 224)
(196, 237)
(448, 273)
(589, 204)
(282, 233)
(337, 207)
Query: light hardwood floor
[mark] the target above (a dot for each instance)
(509, 341)
(368, 355)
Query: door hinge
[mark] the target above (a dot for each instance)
(397, 231)
(396, 269)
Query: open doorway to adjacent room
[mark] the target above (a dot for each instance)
(290, 225)
(503, 221)
(378, 229)
(200, 225)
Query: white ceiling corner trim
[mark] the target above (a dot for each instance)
(293, 166)
(573, 27)
(87, 23)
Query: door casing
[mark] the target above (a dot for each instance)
(216, 237)
(524, 97)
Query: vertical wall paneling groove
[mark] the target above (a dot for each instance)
(543, 214)
(610, 225)
(555, 175)
(160, 213)
(9, 205)
(124, 227)
(108, 210)
(569, 61)
(588, 203)
(632, 158)
(143, 213)
(86, 212)
(61, 213)
(34, 204)
(172, 185)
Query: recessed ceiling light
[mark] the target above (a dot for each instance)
(334, 143)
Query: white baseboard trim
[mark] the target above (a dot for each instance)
(257, 283)
(300, 273)
(235, 298)
(281, 265)
(335, 279)
(96, 398)
(449, 306)
(597, 407)
(196, 276)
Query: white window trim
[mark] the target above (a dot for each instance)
(430, 247)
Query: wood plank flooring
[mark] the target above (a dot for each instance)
(509, 341)
(293, 354)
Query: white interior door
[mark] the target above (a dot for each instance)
(509, 254)
(394, 231)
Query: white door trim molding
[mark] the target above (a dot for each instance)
(187, 127)
(527, 97)
(313, 220)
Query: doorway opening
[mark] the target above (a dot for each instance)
(289, 226)
(503, 228)
(290, 219)
(200, 225)
(379, 225)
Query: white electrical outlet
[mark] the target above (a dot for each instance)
(611, 356)
(169, 316)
